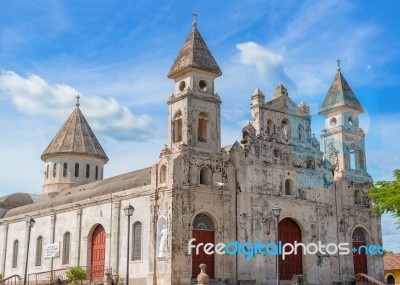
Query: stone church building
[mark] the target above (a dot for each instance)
(199, 189)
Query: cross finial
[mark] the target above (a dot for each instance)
(194, 14)
(77, 100)
(338, 64)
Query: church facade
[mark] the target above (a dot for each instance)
(200, 192)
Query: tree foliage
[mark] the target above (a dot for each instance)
(386, 196)
(76, 274)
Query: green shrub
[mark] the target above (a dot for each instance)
(76, 274)
(1, 276)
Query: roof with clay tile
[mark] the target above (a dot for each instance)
(391, 261)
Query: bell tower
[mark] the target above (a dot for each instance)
(342, 138)
(194, 107)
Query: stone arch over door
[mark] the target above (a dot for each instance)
(203, 232)
(97, 253)
(289, 232)
(359, 256)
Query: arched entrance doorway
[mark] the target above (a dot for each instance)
(390, 279)
(289, 232)
(98, 253)
(359, 257)
(203, 232)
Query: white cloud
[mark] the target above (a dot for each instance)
(36, 97)
(268, 63)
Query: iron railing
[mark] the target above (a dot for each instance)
(362, 278)
(12, 280)
(48, 277)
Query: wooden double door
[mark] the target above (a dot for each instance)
(289, 232)
(98, 253)
(202, 236)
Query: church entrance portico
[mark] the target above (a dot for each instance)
(98, 249)
(203, 232)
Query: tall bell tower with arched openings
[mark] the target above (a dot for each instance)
(342, 138)
(194, 107)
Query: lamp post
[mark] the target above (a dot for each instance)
(30, 222)
(128, 212)
(277, 211)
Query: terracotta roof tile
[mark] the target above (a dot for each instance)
(391, 261)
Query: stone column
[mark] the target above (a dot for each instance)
(116, 216)
(152, 276)
(77, 241)
(4, 253)
(52, 235)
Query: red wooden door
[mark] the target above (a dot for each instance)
(289, 232)
(204, 237)
(359, 258)
(98, 253)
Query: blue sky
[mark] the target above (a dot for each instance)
(116, 54)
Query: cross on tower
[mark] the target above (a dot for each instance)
(194, 14)
(338, 63)
(77, 100)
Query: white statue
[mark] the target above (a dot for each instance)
(163, 242)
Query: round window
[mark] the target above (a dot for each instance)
(333, 122)
(182, 85)
(202, 85)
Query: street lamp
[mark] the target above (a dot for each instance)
(30, 222)
(128, 212)
(277, 211)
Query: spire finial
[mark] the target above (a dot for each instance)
(77, 101)
(194, 14)
(338, 64)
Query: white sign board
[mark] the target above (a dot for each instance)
(51, 250)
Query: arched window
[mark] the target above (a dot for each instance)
(54, 169)
(47, 171)
(163, 174)
(205, 176)
(177, 127)
(15, 254)
(358, 199)
(285, 130)
(87, 170)
(66, 248)
(39, 251)
(65, 168)
(270, 127)
(353, 151)
(76, 169)
(203, 222)
(202, 127)
(301, 132)
(358, 235)
(96, 173)
(289, 187)
(137, 241)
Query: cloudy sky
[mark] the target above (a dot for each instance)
(116, 55)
